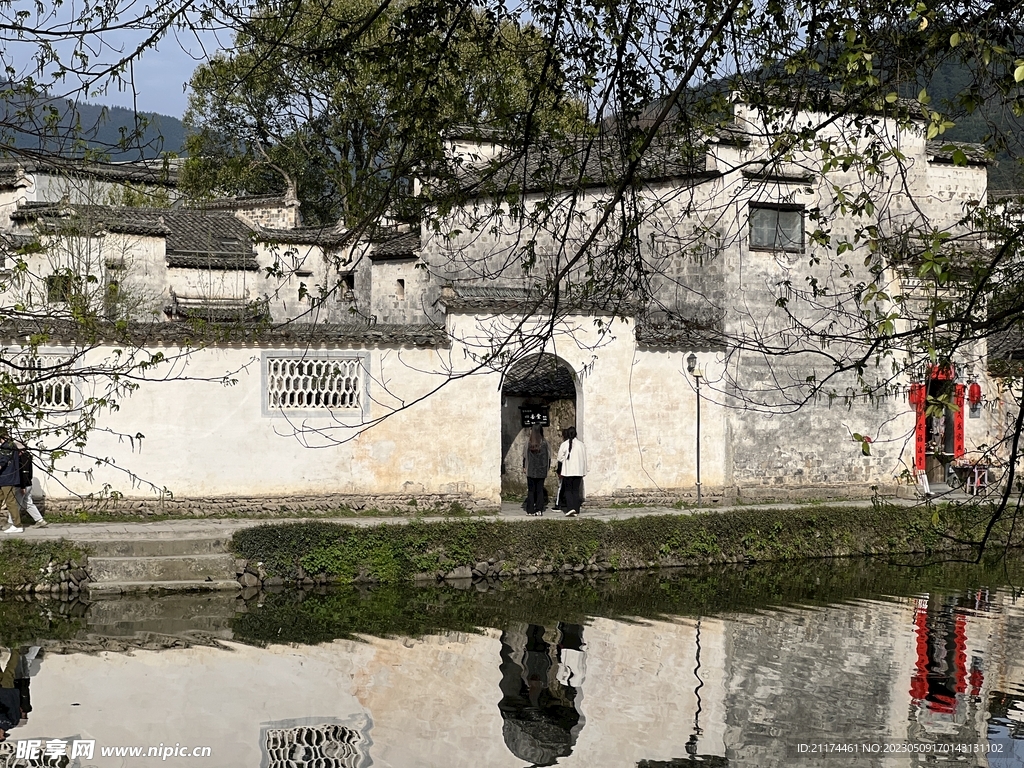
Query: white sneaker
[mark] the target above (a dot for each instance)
(12, 529)
(40, 524)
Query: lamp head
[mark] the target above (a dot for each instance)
(691, 365)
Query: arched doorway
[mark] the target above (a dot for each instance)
(537, 387)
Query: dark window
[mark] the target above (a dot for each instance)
(347, 288)
(112, 300)
(60, 288)
(777, 228)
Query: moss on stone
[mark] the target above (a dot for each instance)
(25, 562)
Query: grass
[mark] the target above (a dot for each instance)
(24, 562)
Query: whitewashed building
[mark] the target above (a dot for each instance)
(305, 367)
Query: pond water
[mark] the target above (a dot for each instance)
(856, 663)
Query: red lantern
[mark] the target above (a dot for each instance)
(974, 394)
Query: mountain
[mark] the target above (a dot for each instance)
(60, 126)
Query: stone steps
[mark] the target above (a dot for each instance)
(134, 565)
(157, 547)
(163, 615)
(161, 568)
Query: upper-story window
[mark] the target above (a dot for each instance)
(777, 227)
(61, 287)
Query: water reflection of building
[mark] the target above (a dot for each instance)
(741, 691)
(541, 674)
(946, 684)
(920, 671)
(317, 743)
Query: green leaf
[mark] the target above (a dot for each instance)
(923, 96)
(1018, 73)
(954, 40)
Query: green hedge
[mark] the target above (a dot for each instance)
(394, 553)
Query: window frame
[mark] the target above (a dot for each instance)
(777, 208)
(350, 415)
(73, 383)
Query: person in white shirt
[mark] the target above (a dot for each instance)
(572, 460)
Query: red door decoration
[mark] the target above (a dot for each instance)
(959, 449)
(918, 397)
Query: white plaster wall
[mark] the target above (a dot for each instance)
(636, 409)
(205, 438)
(386, 304)
(202, 437)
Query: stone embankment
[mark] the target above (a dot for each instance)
(265, 506)
(249, 555)
(65, 579)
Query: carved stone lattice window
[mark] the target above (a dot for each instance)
(322, 746)
(46, 380)
(311, 382)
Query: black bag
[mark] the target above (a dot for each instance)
(558, 469)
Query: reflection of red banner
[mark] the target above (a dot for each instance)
(920, 690)
(977, 680)
(919, 681)
(960, 643)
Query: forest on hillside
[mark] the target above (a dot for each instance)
(70, 129)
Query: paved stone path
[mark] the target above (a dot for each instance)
(203, 528)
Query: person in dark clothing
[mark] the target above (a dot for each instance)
(23, 492)
(10, 696)
(10, 476)
(536, 464)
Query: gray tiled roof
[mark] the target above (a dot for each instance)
(204, 333)
(679, 338)
(518, 300)
(539, 376)
(403, 246)
(194, 239)
(587, 165)
(141, 173)
(942, 152)
(12, 241)
(244, 201)
(323, 236)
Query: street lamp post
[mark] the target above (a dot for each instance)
(693, 370)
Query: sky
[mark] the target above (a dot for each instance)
(161, 76)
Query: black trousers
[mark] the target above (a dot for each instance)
(572, 492)
(534, 494)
